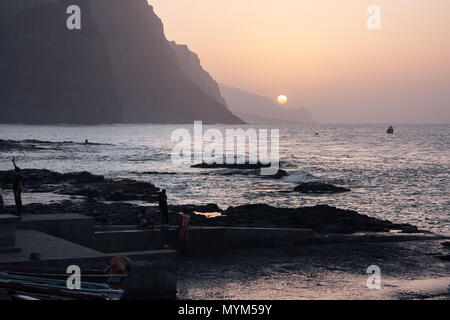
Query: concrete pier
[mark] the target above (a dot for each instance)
(73, 227)
(54, 242)
(201, 239)
(8, 233)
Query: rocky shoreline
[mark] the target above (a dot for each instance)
(83, 184)
(108, 201)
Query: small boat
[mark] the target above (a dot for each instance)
(90, 276)
(19, 287)
(113, 275)
(34, 284)
(14, 290)
(390, 130)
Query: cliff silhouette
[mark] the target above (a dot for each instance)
(119, 68)
(190, 64)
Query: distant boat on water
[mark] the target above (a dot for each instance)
(390, 130)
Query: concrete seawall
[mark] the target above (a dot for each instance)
(72, 227)
(201, 239)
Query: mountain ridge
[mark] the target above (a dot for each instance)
(119, 68)
(259, 109)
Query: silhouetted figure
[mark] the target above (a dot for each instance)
(183, 230)
(163, 209)
(17, 188)
(146, 221)
(86, 141)
(2, 205)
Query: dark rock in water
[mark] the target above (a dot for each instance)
(246, 170)
(113, 190)
(9, 145)
(32, 145)
(35, 178)
(318, 187)
(444, 257)
(61, 143)
(446, 245)
(243, 166)
(280, 174)
(156, 173)
(124, 190)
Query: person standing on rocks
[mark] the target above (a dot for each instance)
(17, 188)
(163, 209)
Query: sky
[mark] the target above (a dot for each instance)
(322, 55)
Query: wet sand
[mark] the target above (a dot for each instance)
(409, 270)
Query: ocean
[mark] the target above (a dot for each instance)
(402, 177)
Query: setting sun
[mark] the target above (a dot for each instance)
(282, 99)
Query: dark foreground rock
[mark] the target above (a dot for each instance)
(104, 213)
(116, 213)
(321, 218)
(318, 187)
(83, 184)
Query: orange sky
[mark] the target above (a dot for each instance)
(321, 54)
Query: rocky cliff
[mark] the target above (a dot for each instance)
(118, 68)
(51, 75)
(190, 64)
